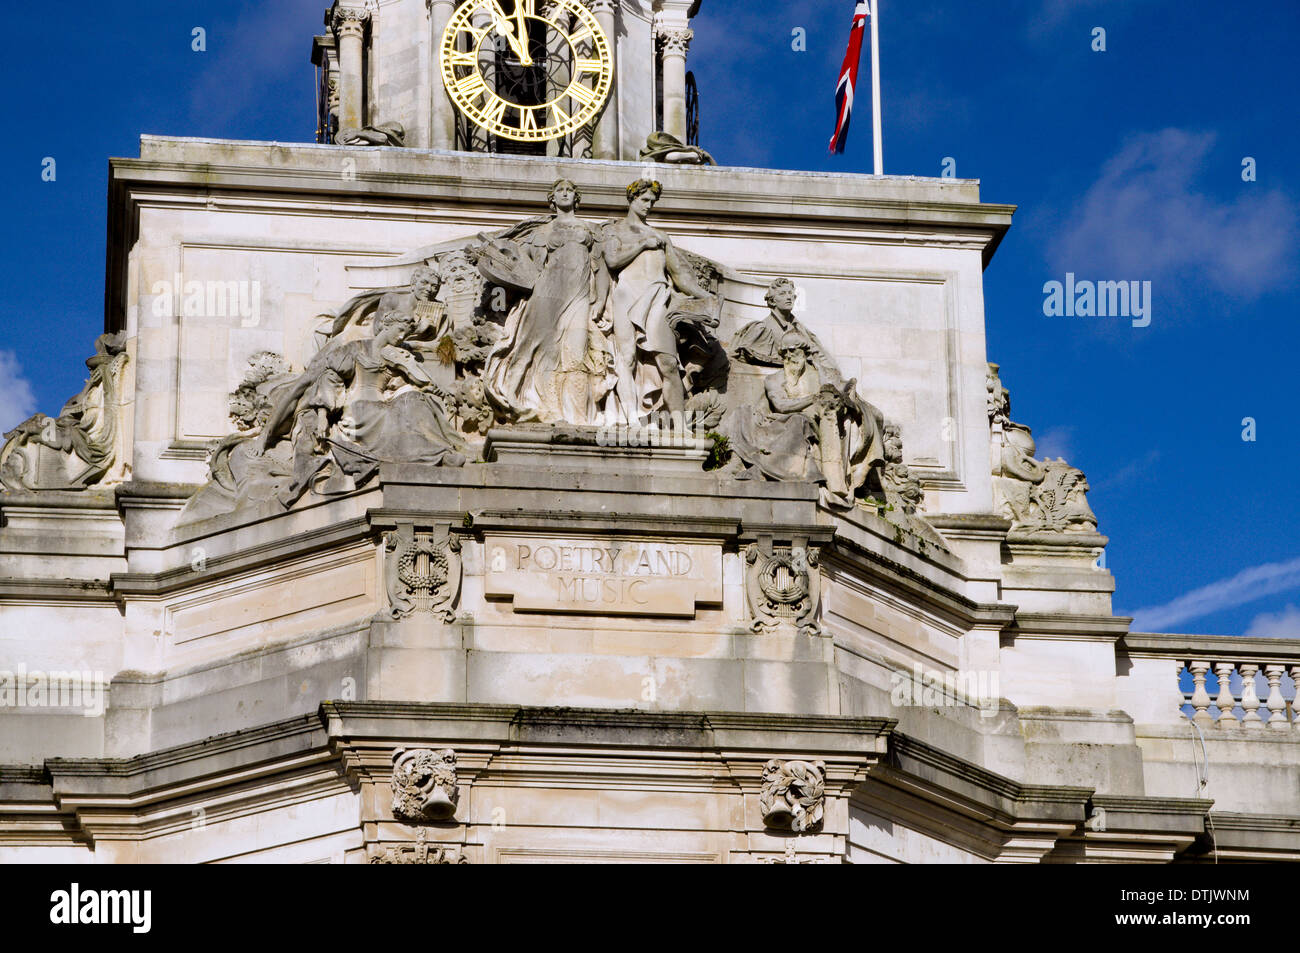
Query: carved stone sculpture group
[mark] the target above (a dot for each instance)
(557, 321)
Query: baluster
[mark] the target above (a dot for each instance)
(1249, 700)
(1226, 701)
(1295, 702)
(1200, 697)
(1276, 703)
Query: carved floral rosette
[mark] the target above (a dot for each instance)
(424, 784)
(783, 585)
(793, 796)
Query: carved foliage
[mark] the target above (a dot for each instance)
(424, 784)
(783, 585)
(250, 402)
(793, 795)
(674, 41)
(422, 571)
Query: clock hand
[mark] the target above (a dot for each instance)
(522, 9)
(506, 28)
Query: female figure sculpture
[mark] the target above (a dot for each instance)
(541, 368)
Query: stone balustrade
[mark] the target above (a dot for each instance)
(1242, 694)
(1223, 682)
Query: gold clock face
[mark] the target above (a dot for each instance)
(525, 74)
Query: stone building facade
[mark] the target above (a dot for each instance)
(431, 504)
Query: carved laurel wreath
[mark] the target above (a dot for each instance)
(430, 581)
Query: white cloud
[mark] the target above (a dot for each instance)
(1129, 472)
(1144, 219)
(1276, 625)
(1246, 586)
(1054, 442)
(17, 402)
(245, 57)
(1052, 14)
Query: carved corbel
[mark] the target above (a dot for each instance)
(424, 784)
(793, 796)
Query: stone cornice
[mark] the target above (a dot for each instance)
(56, 590)
(965, 611)
(299, 759)
(474, 179)
(214, 567)
(93, 499)
(970, 525)
(999, 795)
(1209, 647)
(1061, 626)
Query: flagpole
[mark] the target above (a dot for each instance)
(875, 87)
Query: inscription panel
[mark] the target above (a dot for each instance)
(603, 575)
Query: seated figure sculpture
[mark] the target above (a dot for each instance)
(842, 434)
(361, 403)
(808, 431)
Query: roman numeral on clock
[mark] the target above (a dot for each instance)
(584, 65)
(494, 110)
(471, 86)
(582, 94)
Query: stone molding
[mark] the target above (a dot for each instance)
(121, 799)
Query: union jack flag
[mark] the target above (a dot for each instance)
(849, 76)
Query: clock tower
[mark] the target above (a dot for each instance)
(580, 78)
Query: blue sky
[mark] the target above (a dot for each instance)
(1126, 165)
